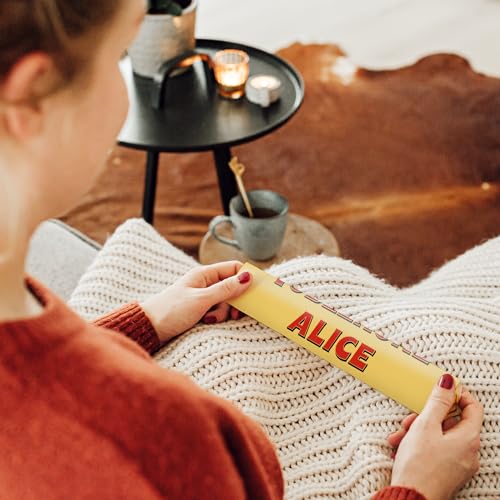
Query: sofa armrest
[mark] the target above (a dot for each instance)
(59, 255)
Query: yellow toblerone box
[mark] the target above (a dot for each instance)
(367, 355)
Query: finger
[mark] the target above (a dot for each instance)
(228, 288)
(472, 410)
(213, 273)
(395, 438)
(234, 313)
(472, 413)
(217, 314)
(408, 420)
(450, 422)
(440, 401)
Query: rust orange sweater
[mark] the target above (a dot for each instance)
(86, 414)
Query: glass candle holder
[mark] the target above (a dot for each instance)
(231, 71)
(263, 89)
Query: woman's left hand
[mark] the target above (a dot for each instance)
(200, 293)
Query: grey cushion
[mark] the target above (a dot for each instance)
(59, 255)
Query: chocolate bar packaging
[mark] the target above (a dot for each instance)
(366, 354)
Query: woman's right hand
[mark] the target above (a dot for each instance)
(435, 459)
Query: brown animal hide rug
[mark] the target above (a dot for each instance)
(403, 166)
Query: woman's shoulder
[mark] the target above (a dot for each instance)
(162, 416)
(185, 441)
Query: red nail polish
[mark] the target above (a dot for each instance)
(446, 381)
(209, 320)
(393, 455)
(244, 277)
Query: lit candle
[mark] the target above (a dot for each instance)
(263, 89)
(231, 70)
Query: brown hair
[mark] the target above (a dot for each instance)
(61, 28)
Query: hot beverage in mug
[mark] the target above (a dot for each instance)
(259, 237)
(262, 213)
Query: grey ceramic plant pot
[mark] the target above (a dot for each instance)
(162, 37)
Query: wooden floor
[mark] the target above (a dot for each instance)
(375, 33)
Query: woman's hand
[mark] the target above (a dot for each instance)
(201, 290)
(435, 455)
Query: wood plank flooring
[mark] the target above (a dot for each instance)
(375, 33)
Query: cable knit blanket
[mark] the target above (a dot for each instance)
(328, 428)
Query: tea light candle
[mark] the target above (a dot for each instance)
(263, 89)
(231, 68)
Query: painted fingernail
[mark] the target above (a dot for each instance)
(446, 381)
(209, 320)
(393, 455)
(244, 277)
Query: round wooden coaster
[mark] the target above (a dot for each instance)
(303, 237)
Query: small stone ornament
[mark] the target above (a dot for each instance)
(263, 89)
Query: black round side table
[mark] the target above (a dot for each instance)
(193, 116)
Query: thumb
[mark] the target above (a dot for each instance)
(229, 288)
(440, 401)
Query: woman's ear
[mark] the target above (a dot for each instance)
(25, 84)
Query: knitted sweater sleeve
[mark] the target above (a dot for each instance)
(131, 320)
(398, 493)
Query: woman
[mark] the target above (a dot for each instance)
(85, 412)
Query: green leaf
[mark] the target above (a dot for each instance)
(164, 7)
(174, 9)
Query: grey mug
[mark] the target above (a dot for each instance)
(260, 237)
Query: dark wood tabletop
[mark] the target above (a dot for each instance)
(195, 118)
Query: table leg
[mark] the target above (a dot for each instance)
(148, 202)
(227, 182)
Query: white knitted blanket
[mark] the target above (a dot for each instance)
(328, 428)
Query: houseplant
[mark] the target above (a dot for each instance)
(165, 7)
(167, 31)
